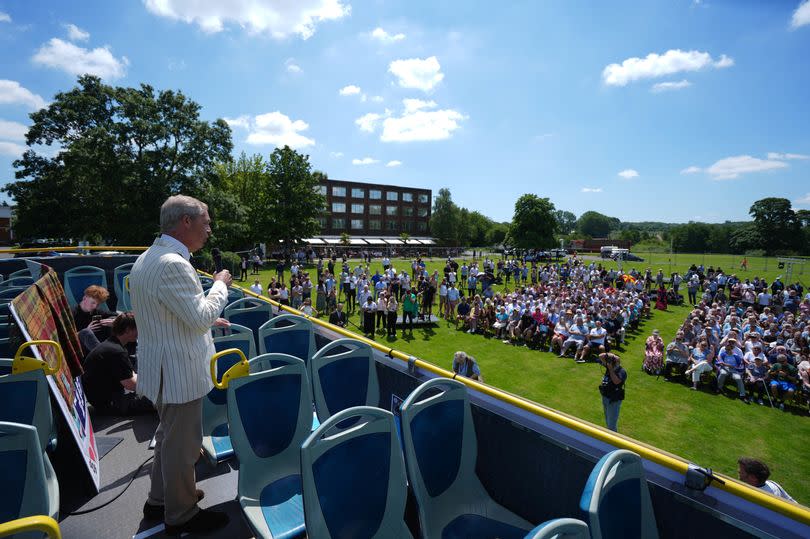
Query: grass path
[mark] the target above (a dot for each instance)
(708, 429)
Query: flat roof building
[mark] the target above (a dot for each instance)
(371, 209)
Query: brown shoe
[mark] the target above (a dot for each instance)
(205, 521)
(155, 512)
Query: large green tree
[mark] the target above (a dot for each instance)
(596, 225)
(444, 219)
(533, 224)
(566, 221)
(776, 222)
(116, 154)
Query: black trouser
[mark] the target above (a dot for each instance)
(692, 296)
(126, 404)
(392, 323)
(669, 366)
(368, 322)
(407, 318)
(381, 319)
(243, 274)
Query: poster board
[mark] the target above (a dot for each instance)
(67, 391)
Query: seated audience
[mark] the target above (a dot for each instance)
(677, 356)
(654, 353)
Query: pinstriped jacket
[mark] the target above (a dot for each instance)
(174, 319)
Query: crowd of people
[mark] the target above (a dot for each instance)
(749, 332)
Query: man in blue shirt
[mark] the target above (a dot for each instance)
(730, 361)
(465, 365)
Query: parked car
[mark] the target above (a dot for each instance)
(629, 257)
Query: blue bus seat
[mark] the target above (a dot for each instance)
(25, 489)
(354, 478)
(249, 312)
(9, 293)
(121, 287)
(288, 334)
(616, 499)
(343, 375)
(270, 416)
(440, 454)
(216, 444)
(76, 281)
(24, 282)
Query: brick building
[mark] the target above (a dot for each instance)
(370, 209)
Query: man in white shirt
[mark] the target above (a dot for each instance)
(256, 287)
(174, 346)
(756, 474)
(369, 307)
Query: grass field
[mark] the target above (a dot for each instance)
(710, 430)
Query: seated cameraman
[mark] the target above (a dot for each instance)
(612, 388)
(108, 372)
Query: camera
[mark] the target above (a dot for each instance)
(96, 318)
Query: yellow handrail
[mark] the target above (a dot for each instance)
(236, 371)
(23, 363)
(651, 453)
(39, 523)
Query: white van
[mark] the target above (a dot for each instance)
(607, 251)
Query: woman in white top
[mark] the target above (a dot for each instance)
(391, 309)
(283, 295)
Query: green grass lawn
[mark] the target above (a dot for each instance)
(710, 430)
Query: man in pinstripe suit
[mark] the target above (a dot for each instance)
(174, 346)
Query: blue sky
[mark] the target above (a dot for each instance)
(671, 110)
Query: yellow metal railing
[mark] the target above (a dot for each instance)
(43, 524)
(649, 452)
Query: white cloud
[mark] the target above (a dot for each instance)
(377, 98)
(12, 93)
(292, 67)
(78, 61)
(351, 89)
(801, 16)
(731, 167)
(421, 125)
(279, 19)
(273, 128)
(369, 122)
(628, 174)
(660, 65)
(670, 86)
(417, 73)
(337, 155)
(803, 201)
(394, 163)
(242, 122)
(12, 130)
(365, 161)
(12, 149)
(413, 105)
(76, 34)
(5, 17)
(692, 170)
(591, 190)
(384, 37)
(787, 156)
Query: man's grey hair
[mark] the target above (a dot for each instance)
(177, 206)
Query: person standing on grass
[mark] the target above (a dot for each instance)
(612, 388)
(410, 308)
(391, 309)
(369, 307)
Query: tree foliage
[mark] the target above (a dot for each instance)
(566, 221)
(119, 152)
(775, 220)
(533, 224)
(445, 218)
(596, 225)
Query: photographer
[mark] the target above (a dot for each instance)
(612, 388)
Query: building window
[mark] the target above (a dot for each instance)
(374, 209)
(421, 226)
(338, 191)
(321, 190)
(407, 226)
(374, 224)
(407, 211)
(423, 199)
(391, 211)
(357, 224)
(357, 208)
(391, 225)
(374, 194)
(358, 193)
(407, 197)
(322, 222)
(391, 195)
(338, 222)
(423, 212)
(338, 207)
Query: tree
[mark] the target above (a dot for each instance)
(404, 237)
(776, 221)
(445, 217)
(690, 238)
(121, 152)
(497, 234)
(345, 239)
(566, 221)
(596, 225)
(533, 224)
(293, 201)
(745, 238)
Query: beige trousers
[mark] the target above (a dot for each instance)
(177, 447)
